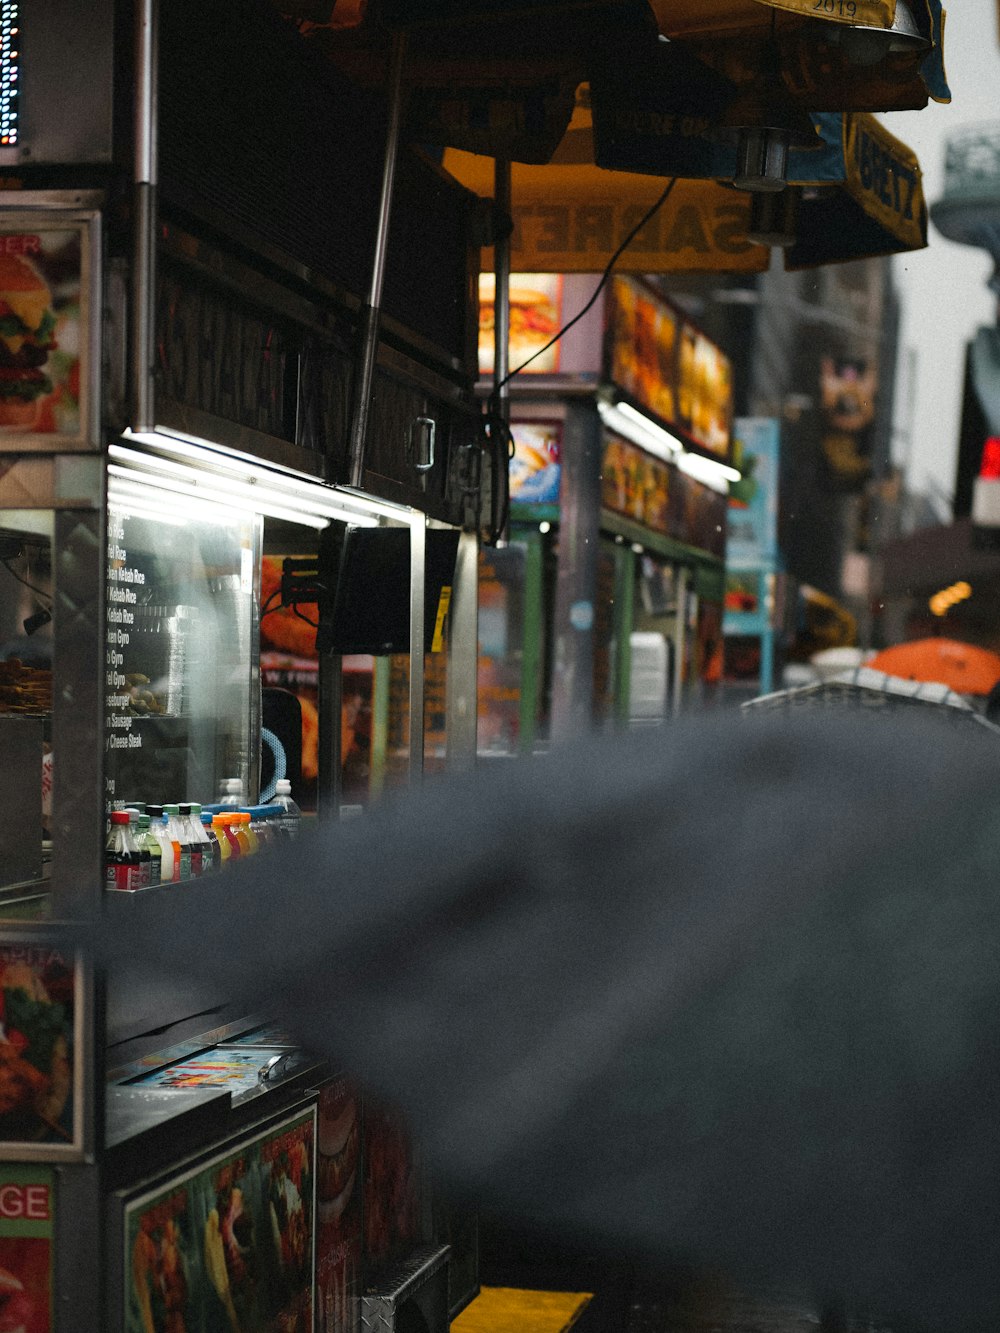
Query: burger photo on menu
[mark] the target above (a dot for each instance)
(27, 337)
(535, 300)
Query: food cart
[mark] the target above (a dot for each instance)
(183, 303)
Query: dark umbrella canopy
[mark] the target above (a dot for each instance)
(725, 992)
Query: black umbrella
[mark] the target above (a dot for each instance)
(725, 992)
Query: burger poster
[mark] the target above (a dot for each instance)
(42, 331)
(338, 1207)
(27, 1220)
(228, 1247)
(535, 317)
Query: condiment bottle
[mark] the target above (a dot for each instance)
(121, 856)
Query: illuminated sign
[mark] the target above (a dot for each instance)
(10, 59)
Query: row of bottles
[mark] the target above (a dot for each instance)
(149, 845)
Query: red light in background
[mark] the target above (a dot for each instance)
(989, 468)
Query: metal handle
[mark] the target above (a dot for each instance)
(265, 1072)
(426, 429)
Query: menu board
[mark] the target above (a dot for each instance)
(704, 392)
(635, 484)
(27, 1233)
(179, 635)
(668, 366)
(229, 1244)
(39, 1046)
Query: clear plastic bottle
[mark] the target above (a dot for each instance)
(121, 856)
(158, 828)
(213, 853)
(231, 792)
(291, 815)
(135, 833)
(179, 836)
(149, 840)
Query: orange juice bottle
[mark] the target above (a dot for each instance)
(241, 827)
(246, 821)
(221, 831)
(228, 832)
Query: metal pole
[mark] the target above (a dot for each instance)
(680, 639)
(144, 219)
(463, 656)
(501, 298)
(329, 781)
(369, 322)
(418, 547)
(501, 309)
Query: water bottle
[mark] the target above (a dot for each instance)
(232, 792)
(291, 815)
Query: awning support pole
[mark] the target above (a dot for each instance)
(369, 321)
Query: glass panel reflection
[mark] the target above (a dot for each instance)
(26, 650)
(180, 654)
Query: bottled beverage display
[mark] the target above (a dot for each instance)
(291, 815)
(121, 856)
(160, 845)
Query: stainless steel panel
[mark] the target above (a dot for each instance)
(420, 1281)
(21, 826)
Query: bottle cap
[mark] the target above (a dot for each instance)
(283, 787)
(171, 809)
(195, 808)
(207, 817)
(119, 817)
(184, 809)
(144, 821)
(154, 811)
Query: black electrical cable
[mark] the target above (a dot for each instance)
(46, 597)
(494, 422)
(646, 217)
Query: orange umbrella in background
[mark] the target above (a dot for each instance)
(962, 666)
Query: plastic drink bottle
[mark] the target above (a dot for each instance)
(213, 853)
(135, 833)
(185, 812)
(241, 824)
(291, 815)
(148, 839)
(121, 856)
(232, 792)
(178, 836)
(158, 828)
(221, 823)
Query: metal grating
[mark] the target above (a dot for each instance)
(420, 1281)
